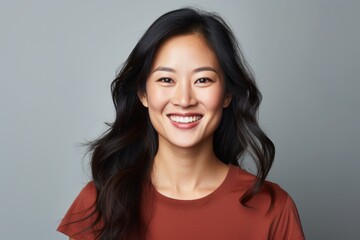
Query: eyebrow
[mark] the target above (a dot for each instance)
(200, 69)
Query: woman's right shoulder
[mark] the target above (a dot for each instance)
(87, 195)
(89, 189)
(80, 216)
(85, 200)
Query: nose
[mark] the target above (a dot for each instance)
(184, 95)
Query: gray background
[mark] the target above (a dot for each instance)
(58, 58)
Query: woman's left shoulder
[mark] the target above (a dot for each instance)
(281, 197)
(270, 192)
(285, 215)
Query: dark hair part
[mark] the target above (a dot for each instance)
(122, 157)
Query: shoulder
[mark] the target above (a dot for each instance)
(86, 198)
(88, 193)
(275, 205)
(81, 215)
(271, 195)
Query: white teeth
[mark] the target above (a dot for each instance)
(180, 119)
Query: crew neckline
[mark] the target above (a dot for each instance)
(198, 203)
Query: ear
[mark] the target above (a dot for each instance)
(143, 99)
(227, 100)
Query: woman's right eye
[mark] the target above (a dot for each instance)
(165, 80)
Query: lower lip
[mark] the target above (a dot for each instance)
(185, 125)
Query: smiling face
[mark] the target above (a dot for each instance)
(185, 92)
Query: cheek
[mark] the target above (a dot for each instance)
(213, 99)
(156, 98)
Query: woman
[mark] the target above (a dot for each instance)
(168, 167)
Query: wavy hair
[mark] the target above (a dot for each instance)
(122, 158)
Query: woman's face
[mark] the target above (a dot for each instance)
(185, 92)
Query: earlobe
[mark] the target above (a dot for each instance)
(227, 100)
(143, 99)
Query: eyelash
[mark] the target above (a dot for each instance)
(165, 80)
(204, 78)
(169, 80)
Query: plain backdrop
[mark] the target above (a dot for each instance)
(58, 59)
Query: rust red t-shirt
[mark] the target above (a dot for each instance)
(218, 215)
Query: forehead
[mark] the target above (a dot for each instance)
(190, 50)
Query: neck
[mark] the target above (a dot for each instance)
(187, 173)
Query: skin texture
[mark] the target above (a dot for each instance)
(186, 81)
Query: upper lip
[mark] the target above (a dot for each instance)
(184, 118)
(184, 114)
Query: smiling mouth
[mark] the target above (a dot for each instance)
(185, 119)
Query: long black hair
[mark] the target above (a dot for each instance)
(122, 158)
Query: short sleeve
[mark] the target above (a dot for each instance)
(288, 225)
(79, 218)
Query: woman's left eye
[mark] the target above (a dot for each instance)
(203, 80)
